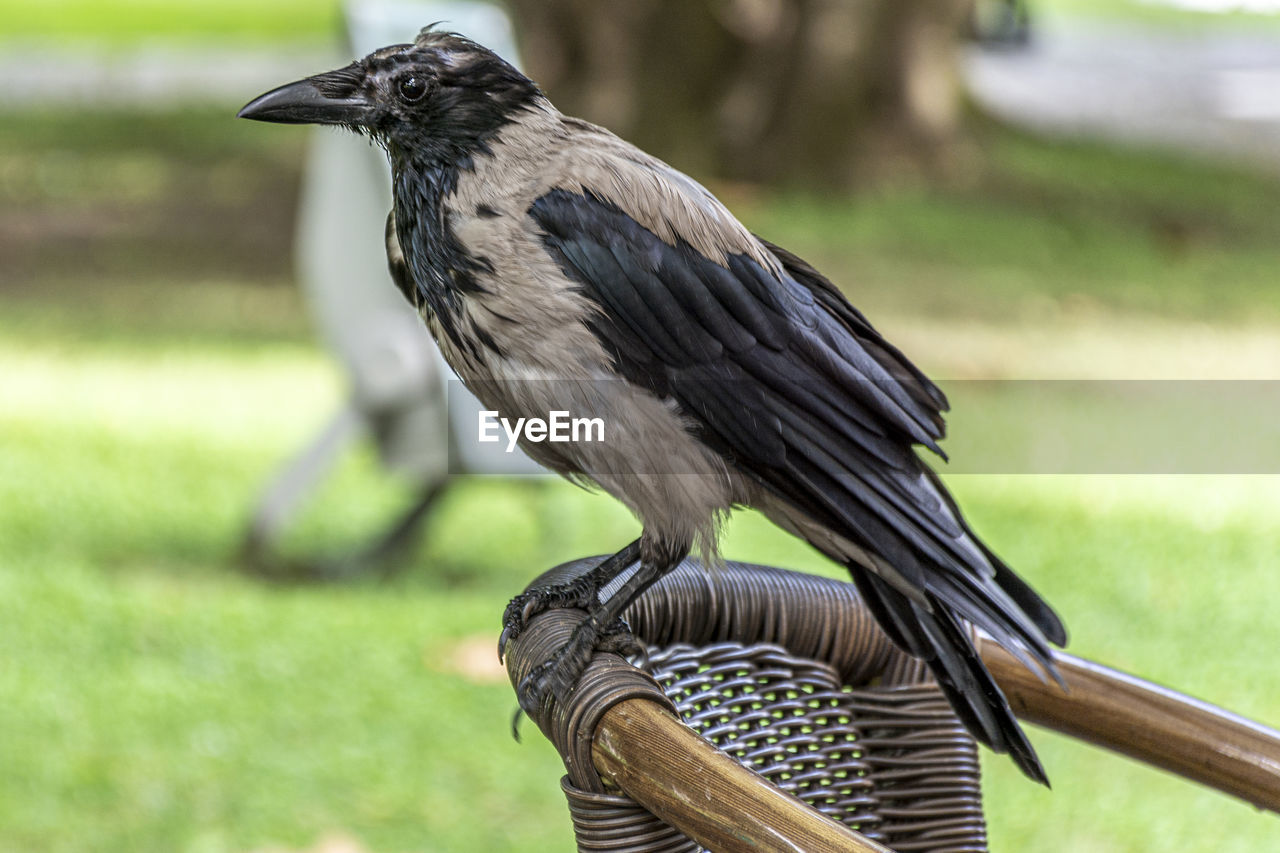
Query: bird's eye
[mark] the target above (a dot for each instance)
(412, 88)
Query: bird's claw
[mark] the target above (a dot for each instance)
(530, 603)
(508, 634)
(555, 676)
(515, 724)
(558, 675)
(519, 611)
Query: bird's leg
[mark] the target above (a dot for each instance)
(582, 592)
(602, 629)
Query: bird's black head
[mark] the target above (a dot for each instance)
(442, 97)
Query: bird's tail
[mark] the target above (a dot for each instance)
(936, 637)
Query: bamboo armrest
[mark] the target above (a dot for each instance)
(1142, 720)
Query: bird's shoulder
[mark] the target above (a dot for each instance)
(546, 154)
(590, 162)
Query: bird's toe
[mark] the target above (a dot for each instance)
(617, 638)
(558, 675)
(530, 603)
(551, 678)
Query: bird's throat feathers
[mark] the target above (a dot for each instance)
(440, 267)
(425, 187)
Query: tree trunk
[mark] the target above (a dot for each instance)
(824, 94)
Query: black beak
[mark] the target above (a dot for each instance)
(323, 99)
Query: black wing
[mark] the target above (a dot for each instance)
(791, 384)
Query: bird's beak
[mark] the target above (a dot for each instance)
(312, 101)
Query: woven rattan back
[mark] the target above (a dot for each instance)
(789, 674)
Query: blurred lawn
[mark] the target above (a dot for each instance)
(154, 371)
(1154, 13)
(128, 21)
(124, 22)
(1098, 230)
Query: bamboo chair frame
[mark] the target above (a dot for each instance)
(805, 729)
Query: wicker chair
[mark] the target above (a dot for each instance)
(788, 674)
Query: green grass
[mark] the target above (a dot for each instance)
(1152, 14)
(125, 21)
(156, 699)
(145, 196)
(164, 712)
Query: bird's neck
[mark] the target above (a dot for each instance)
(441, 268)
(425, 181)
(421, 188)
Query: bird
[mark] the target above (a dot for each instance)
(561, 268)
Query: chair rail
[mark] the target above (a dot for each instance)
(1154, 724)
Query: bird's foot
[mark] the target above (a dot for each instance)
(617, 638)
(558, 675)
(528, 604)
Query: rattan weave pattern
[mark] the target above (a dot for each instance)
(788, 674)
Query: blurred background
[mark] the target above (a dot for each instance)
(1039, 190)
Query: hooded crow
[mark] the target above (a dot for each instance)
(561, 269)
